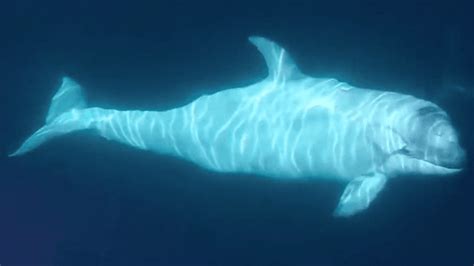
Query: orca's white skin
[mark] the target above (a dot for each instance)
(289, 125)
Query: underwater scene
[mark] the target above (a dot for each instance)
(236, 133)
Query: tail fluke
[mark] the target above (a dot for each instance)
(62, 116)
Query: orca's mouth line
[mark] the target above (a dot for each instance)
(433, 166)
(440, 166)
(404, 152)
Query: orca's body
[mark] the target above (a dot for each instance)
(288, 125)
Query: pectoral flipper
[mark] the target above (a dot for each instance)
(359, 193)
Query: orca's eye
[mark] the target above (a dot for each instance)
(404, 151)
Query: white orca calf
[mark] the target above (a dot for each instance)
(289, 125)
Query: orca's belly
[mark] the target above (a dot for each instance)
(280, 144)
(316, 145)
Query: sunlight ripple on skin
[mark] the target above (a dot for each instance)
(288, 125)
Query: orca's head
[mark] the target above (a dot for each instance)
(431, 144)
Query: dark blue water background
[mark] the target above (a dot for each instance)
(80, 200)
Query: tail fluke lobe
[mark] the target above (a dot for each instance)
(68, 97)
(62, 118)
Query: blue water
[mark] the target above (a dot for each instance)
(81, 200)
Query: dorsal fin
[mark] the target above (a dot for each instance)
(279, 63)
